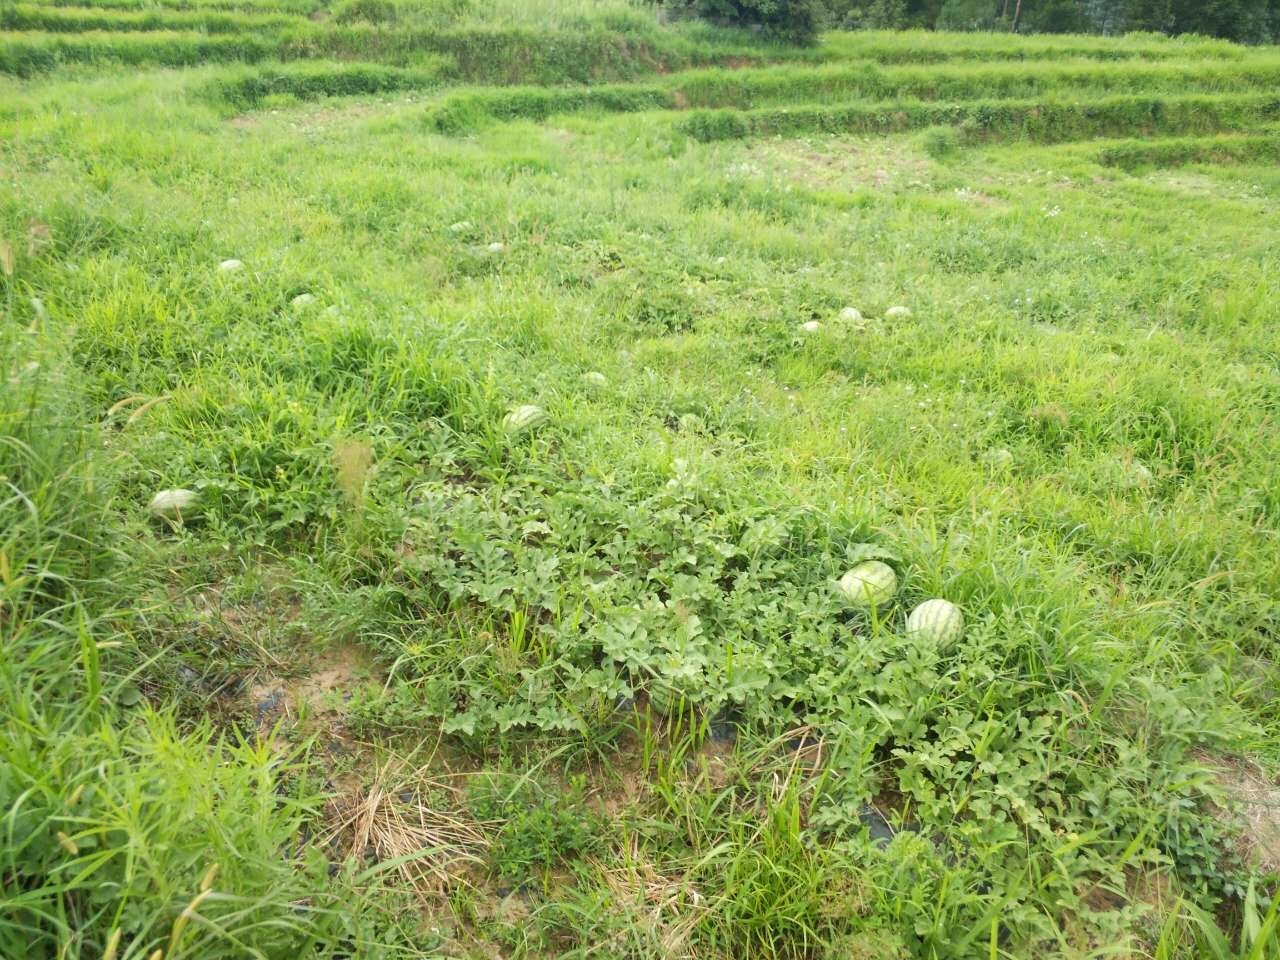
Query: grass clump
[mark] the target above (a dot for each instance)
(940, 142)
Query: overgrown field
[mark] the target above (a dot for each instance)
(506, 353)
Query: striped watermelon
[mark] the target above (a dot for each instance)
(939, 621)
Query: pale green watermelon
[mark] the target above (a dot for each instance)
(523, 418)
(869, 584)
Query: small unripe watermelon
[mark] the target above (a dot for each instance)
(869, 584)
(851, 315)
(898, 313)
(229, 266)
(172, 504)
(523, 418)
(999, 457)
(1137, 474)
(939, 621)
(664, 697)
(811, 326)
(595, 378)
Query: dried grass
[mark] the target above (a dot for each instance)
(414, 821)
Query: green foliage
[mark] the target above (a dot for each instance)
(246, 90)
(793, 21)
(1041, 121)
(538, 828)
(940, 142)
(115, 819)
(1069, 435)
(1217, 151)
(461, 112)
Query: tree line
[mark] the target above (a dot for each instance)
(1246, 21)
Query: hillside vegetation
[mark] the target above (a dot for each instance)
(434, 438)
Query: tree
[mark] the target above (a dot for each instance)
(967, 15)
(1105, 16)
(1054, 16)
(794, 21)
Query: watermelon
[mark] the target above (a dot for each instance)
(869, 584)
(1138, 474)
(302, 300)
(665, 698)
(523, 418)
(595, 378)
(898, 313)
(938, 621)
(229, 266)
(811, 326)
(851, 315)
(172, 504)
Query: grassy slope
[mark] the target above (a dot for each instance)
(1071, 436)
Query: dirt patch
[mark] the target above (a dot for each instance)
(1253, 794)
(338, 672)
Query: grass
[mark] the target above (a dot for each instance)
(414, 681)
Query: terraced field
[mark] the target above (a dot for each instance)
(530, 377)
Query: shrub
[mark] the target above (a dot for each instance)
(940, 142)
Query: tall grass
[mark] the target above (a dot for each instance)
(122, 833)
